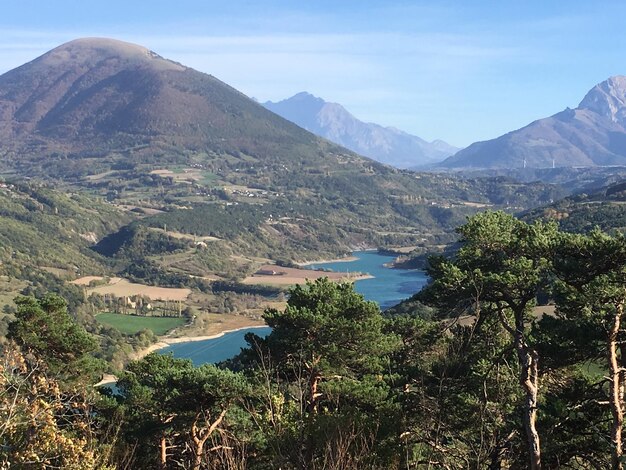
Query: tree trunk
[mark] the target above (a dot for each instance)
(313, 391)
(312, 408)
(617, 392)
(200, 436)
(163, 457)
(529, 380)
(197, 458)
(528, 360)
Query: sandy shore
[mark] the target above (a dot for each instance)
(107, 379)
(345, 259)
(164, 342)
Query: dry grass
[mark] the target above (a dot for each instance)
(146, 210)
(290, 276)
(207, 324)
(403, 249)
(9, 289)
(59, 272)
(185, 236)
(84, 281)
(122, 287)
(479, 205)
(183, 175)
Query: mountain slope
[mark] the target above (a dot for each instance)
(593, 134)
(604, 208)
(384, 144)
(41, 226)
(101, 97)
(181, 149)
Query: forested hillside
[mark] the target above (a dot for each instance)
(41, 226)
(604, 208)
(482, 378)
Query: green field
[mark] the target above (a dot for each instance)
(131, 324)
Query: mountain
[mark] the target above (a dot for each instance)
(384, 144)
(174, 147)
(94, 102)
(593, 134)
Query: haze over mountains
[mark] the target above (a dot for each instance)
(593, 134)
(92, 103)
(384, 144)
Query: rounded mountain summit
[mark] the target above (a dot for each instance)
(104, 98)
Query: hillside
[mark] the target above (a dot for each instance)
(593, 134)
(384, 144)
(46, 237)
(43, 227)
(604, 208)
(153, 136)
(93, 103)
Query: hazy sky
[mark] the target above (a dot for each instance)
(460, 71)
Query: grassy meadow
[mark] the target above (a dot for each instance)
(131, 324)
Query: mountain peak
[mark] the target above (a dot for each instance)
(335, 123)
(103, 44)
(593, 134)
(608, 99)
(301, 99)
(90, 51)
(98, 95)
(305, 95)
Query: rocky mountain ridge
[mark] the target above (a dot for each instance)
(384, 144)
(593, 134)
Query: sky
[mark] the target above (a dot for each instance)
(460, 71)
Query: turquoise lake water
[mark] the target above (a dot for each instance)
(388, 287)
(214, 350)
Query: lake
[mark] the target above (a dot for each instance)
(214, 350)
(388, 287)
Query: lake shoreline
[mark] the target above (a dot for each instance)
(345, 259)
(164, 342)
(383, 285)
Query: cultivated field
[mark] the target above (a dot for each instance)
(290, 276)
(187, 175)
(122, 288)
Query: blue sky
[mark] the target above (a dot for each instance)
(461, 71)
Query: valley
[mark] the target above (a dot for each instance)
(203, 216)
(147, 207)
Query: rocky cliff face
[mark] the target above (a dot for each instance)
(593, 134)
(608, 99)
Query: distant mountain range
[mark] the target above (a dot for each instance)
(593, 134)
(384, 144)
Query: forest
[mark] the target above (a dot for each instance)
(513, 356)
